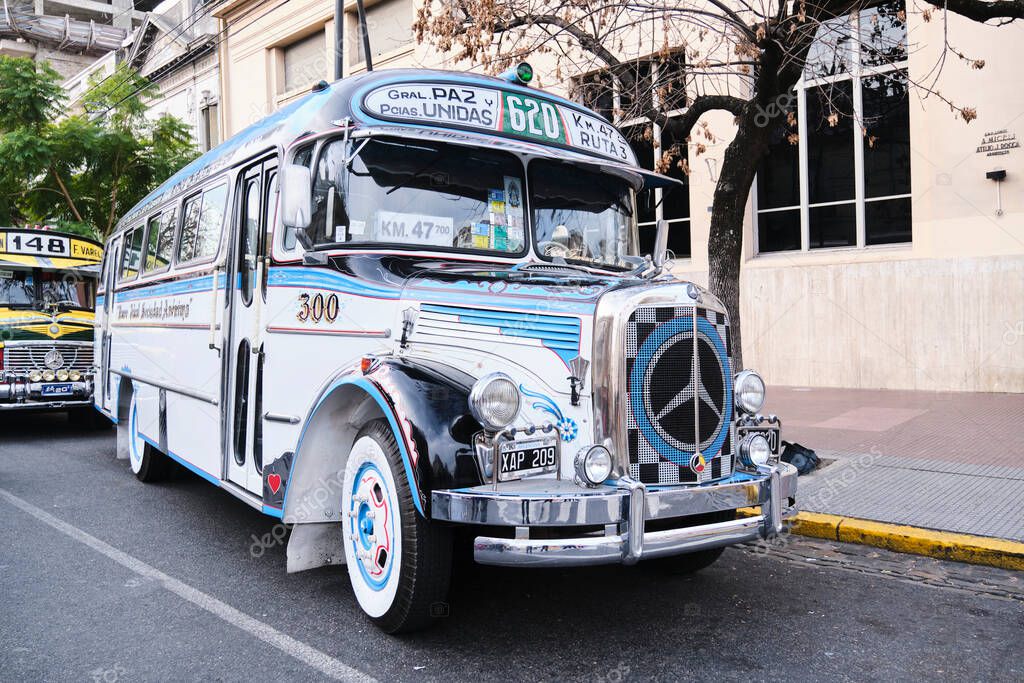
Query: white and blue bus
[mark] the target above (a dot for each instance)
(408, 311)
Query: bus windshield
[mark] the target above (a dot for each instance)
(582, 216)
(17, 288)
(419, 194)
(46, 289)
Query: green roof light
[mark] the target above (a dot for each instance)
(524, 72)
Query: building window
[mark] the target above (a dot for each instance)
(211, 129)
(304, 62)
(389, 26)
(660, 83)
(838, 171)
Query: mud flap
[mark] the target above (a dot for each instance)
(315, 545)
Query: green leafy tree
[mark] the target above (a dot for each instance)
(85, 169)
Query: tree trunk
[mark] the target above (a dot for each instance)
(725, 243)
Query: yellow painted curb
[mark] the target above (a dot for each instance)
(945, 545)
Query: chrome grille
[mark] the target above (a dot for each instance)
(21, 359)
(679, 394)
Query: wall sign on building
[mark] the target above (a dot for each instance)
(997, 143)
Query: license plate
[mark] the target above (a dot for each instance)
(58, 389)
(517, 459)
(770, 433)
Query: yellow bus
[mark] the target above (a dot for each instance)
(47, 298)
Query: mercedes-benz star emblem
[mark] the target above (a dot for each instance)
(53, 359)
(673, 410)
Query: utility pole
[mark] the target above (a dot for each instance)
(366, 36)
(339, 39)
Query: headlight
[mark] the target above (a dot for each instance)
(593, 465)
(75, 375)
(48, 375)
(754, 450)
(62, 375)
(494, 401)
(749, 391)
(35, 376)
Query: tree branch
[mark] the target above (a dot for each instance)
(67, 195)
(680, 126)
(981, 10)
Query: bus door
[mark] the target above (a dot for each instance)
(101, 349)
(243, 357)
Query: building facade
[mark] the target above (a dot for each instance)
(882, 250)
(67, 34)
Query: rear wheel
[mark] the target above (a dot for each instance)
(147, 463)
(398, 562)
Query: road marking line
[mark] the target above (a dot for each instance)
(307, 654)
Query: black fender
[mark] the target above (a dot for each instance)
(431, 401)
(425, 403)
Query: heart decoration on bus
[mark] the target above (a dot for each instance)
(274, 482)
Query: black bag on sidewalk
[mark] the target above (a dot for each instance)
(802, 458)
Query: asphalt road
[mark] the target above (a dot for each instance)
(106, 578)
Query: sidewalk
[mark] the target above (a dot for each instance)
(945, 461)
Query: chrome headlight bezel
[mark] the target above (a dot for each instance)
(588, 463)
(479, 397)
(755, 450)
(740, 386)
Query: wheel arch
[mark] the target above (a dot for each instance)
(428, 414)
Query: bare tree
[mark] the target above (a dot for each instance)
(739, 56)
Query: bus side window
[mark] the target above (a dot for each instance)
(160, 240)
(189, 228)
(132, 255)
(204, 218)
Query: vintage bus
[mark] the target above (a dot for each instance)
(409, 311)
(47, 295)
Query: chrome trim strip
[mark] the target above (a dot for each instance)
(248, 497)
(376, 334)
(173, 388)
(278, 417)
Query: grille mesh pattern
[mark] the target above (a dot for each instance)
(24, 358)
(666, 400)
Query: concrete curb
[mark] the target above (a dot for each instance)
(945, 545)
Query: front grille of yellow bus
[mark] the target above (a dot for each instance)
(21, 359)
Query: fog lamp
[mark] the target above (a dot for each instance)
(754, 450)
(35, 376)
(749, 390)
(593, 465)
(75, 375)
(62, 375)
(494, 401)
(48, 375)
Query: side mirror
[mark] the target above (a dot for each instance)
(659, 255)
(296, 197)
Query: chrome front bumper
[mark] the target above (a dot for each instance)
(622, 511)
(29, 395)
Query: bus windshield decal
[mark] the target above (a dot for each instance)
(504, 112)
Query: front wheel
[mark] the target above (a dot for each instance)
(398, 562)
(147, 463)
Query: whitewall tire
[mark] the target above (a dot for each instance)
(147, 463)
(398, 562)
